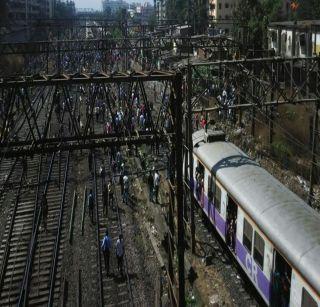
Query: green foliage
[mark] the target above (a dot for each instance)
(178, 10)
(308, 9)
(291, 115)
(281, 149)
(254, 16)
(191, 300)
(116, 33)
(152, 21)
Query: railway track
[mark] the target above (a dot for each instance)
(30, 257)
(116, 289)
(216, 253)
(14, 246)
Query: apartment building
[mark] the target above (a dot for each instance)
(21, 11)
(160, 10)
(221, 12)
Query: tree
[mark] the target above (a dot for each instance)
(177, 10)
(308, 9)
(254, 16)
(193, 11)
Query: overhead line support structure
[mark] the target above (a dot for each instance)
(82, 139)
(265, 84)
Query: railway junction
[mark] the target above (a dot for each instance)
(85, 115)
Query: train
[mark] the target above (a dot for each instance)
(295, 39)
(271, 232)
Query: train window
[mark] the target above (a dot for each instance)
(258, 250)
(217, 198)
(210, 189)
(247, 235)
(307, 299)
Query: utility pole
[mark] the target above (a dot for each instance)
(179, 186)
(189, 142)
(313, 169)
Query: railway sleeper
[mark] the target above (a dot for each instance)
(40, 298)
(19, 227)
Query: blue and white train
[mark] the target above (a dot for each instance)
(273, 234)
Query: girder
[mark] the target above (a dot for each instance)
(84, 78)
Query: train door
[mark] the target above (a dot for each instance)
(231, 225)
(281, 281)
(200, 183)
(210, 198)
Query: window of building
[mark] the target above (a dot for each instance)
(212, 6)
(303, 44)
(247, 235)
(219, 6)
(226, 5)
(227, 16)
(307, 299)
(217, 198)
(258, 250)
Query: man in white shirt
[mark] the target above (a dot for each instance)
(125, 189)
(120, 253)
(156, 184)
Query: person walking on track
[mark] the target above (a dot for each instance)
(121, 183)
(110, 194)
(150, 185)
(156, 184)
(44, 211)
(125, 195)
(106, 247)
(103, 173)
(90, 205)
(105, 195)
(120, 253)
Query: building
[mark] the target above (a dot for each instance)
(160, 11)
(112, 6)
(22, 11)
(144, 12)
(221, 14)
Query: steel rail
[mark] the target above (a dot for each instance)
(58, 237)
(97, 231)
(2, 189)
(125, 257)
(7, 248)
(24, 289)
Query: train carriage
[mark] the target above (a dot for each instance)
(273, 234)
